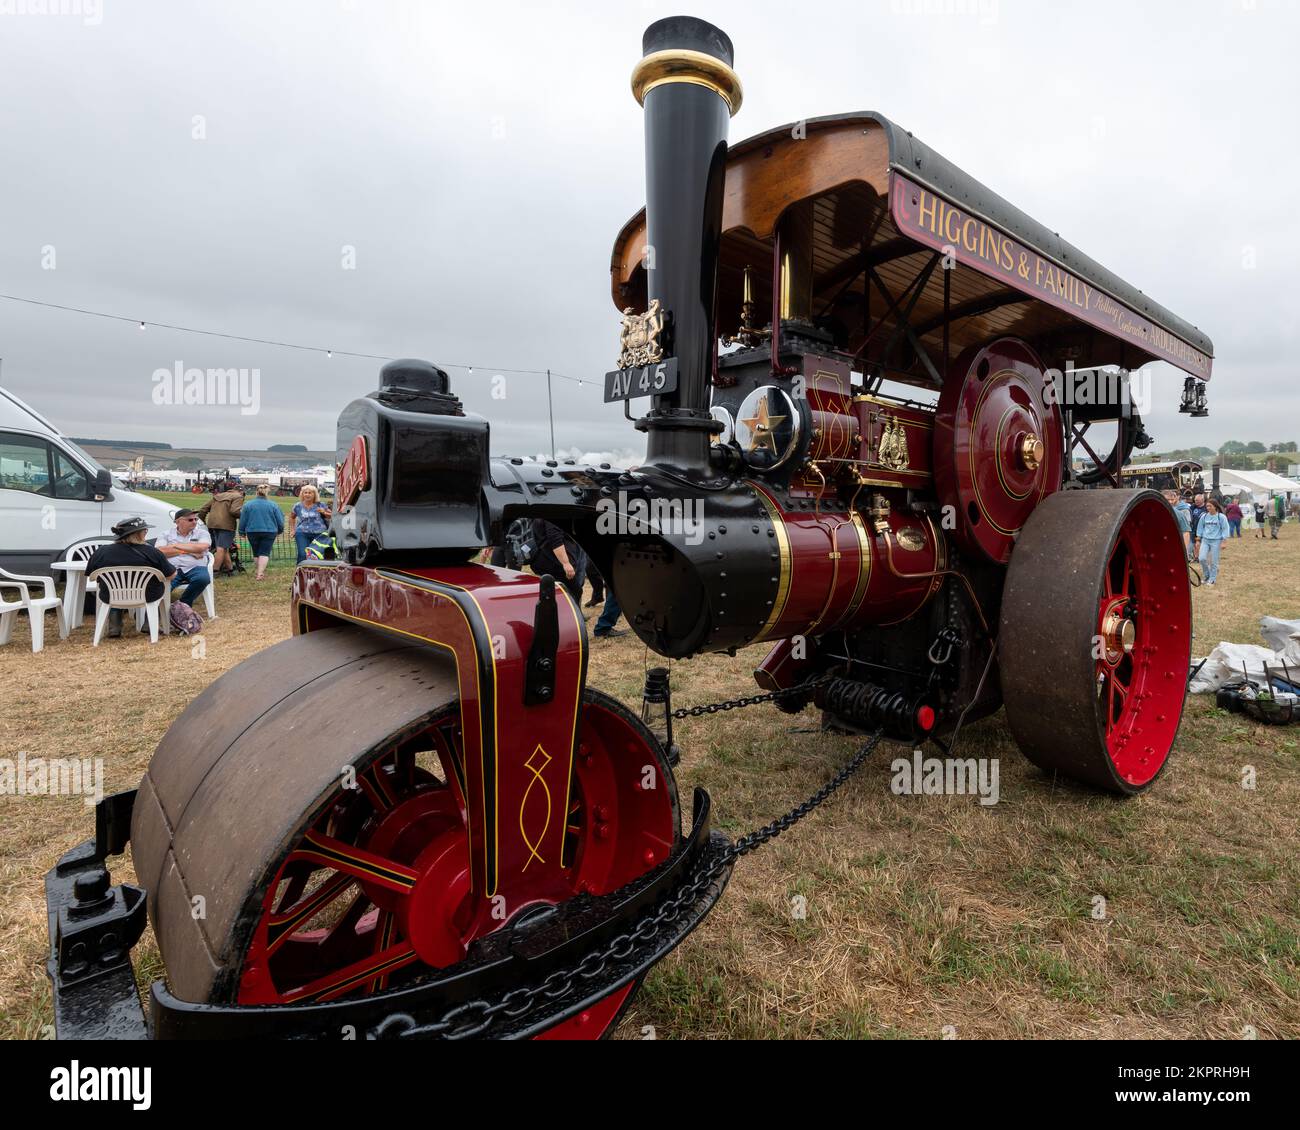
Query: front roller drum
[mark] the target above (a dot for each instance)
(313, 799)
(1096, 637)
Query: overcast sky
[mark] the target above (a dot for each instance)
(480, 159)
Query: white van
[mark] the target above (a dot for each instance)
(53, 494)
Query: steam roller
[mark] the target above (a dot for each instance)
(873, 391)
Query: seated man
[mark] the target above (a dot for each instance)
(186, 544)
(129, 549)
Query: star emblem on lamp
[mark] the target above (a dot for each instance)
(768, 427)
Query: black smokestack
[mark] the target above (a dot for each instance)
(689, 91)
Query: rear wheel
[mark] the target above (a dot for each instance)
(1096, 636)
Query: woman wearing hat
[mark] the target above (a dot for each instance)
(129, 549)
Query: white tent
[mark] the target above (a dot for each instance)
(1257, 484)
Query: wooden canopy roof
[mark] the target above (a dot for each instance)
(883, 205)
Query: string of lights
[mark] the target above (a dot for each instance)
(144, 323)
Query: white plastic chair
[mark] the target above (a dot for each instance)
(85, 550)
(74, 585)
(209, 600)
(127, 585)
(36, 607)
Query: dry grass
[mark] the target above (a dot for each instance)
(922, 912)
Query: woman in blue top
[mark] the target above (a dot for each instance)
(308, 519)
(1211, 532)
(261, 521)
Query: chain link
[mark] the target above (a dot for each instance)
(474, 1018)
(751, 700)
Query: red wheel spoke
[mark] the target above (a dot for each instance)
(331, 927)
(353, 976)
(297, 883)
(374, 783)
(445, 744)
(385, 934)
(357, 862)
(280, 927)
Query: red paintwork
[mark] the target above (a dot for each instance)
(847, 434)
(785, 664)
(917, 425)
(995, 396)
(1141, 695)
(540, 803)
(472, 611)
(353, 474)
(845, 574)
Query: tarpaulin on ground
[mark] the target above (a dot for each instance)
(1230, 661)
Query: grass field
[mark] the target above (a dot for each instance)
(925, 916)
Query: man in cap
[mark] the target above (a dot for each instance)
(221, 517)
(187, 544)
(130, 548)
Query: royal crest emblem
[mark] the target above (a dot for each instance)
(641, 339)
(892, 452)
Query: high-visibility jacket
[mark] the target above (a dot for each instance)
(323, 547)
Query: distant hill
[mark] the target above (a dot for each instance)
(114, 454)
(144, 445)
(297, 447)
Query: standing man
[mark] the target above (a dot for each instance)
(1198, 512)
(560, 556)
(1183, 512)
(1276, 512)
(605, 628)
(186, 546)
(221, 516)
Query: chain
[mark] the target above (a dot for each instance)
(474, 1018)
(750, 700)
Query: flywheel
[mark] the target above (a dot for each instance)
(998, 444)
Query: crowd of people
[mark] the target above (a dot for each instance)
(181, 553)
(1206, 523)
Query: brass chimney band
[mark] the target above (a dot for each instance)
(682, 65)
